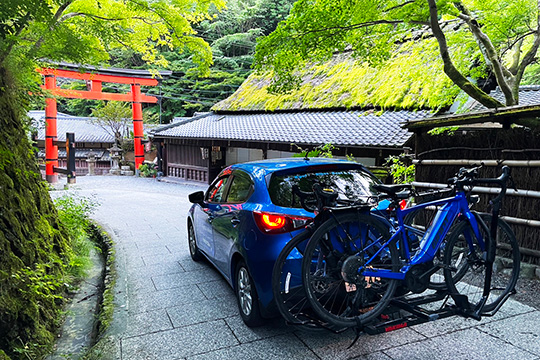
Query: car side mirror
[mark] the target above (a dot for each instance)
(197, 197)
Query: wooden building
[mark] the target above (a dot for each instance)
(493, 137)
(198, 148)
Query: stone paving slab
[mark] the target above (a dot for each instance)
(179, 343)
(201, 311)
(245, 334)
(278, 348)
(148, 322)
(522, 331)
(142, 302)
(468, 344)
(336, 346)
(169, 307)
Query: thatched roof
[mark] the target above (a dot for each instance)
(402, 83)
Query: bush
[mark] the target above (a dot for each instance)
(74, 212)
(402, 168)
(148, 170)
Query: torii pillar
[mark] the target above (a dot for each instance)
(135, 78)
(51, 136)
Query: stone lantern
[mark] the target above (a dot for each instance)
(91, 160)
(115, 156)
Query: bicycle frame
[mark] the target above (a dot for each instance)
(450, 209)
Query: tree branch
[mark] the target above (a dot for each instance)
(357, 26)
(450, 70)
(400, 5)
(53, 24)
(72, 15)
(531, 54)
(516, 58)
(489, 53)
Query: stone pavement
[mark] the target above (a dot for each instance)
(169, 307)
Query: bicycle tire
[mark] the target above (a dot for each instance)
(337, 294)
(289, 294)
(467, 277)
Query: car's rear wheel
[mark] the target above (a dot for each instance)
(192, 242)
(246, 295)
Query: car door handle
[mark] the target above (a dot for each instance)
(235, 221)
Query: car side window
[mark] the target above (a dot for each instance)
(215, 192)
(241, 188)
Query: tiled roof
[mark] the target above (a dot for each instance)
(84, 129)
(528, 95)
(101, 155)
(340, 128)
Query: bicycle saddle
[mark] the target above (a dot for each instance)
(400, 191)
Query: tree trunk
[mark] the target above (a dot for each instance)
(450, 70)
(33, 247)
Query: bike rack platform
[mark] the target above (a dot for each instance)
(405, 312)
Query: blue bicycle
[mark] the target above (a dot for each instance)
(355, 261)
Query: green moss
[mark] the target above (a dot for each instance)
(33, 246)
(403, 82)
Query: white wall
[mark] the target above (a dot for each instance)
(273, 154)
(240, 155)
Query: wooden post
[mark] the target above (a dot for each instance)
(70, 151)
(159, 157)
(137, 126)
(51, 137)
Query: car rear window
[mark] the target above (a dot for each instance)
(352, 184)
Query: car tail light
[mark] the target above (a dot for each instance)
(272, 223)
(403, 204)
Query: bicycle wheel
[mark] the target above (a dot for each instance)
(287, 287)
(337, 250)
(465, 266)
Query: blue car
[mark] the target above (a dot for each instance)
(249, 213)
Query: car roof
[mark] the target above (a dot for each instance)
(290, 164)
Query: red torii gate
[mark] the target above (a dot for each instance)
(135, 78)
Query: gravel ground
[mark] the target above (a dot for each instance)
(528, 292)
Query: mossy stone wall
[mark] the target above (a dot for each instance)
(33, 247)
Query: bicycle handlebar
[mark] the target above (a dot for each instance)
(467, 177)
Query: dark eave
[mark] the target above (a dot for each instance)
(507, 115)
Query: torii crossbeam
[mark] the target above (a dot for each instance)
(94, 77)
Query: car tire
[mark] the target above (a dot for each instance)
(246, 296)
(192, 243)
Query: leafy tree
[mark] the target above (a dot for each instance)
(231, 33)
(476, 39)
(34, 246)
(115, 118)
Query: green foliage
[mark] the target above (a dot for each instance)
(401, 168)
(74, 211)
(148, 170)
(346, 82)
(443, 130)
(115, 117)
(231, 34)
(83, 31)
(323, 150)
(376, 31)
